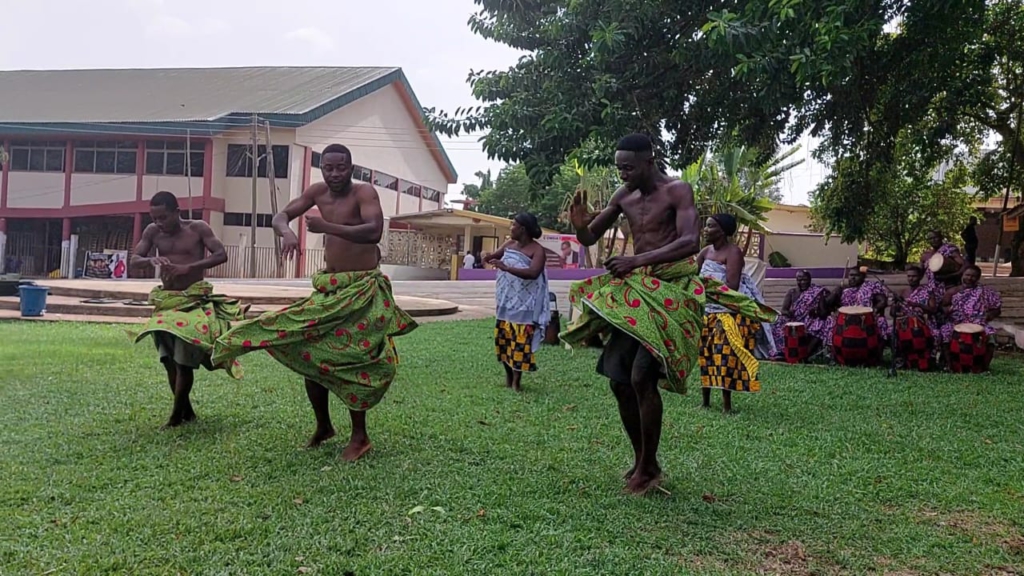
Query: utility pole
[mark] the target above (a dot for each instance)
(255, 157)
(273, 199)
(188, 168)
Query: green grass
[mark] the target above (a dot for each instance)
(825, 471)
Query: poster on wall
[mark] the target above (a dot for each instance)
(106, 265)
(563, 250)
(118, 264)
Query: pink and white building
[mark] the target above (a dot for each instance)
(85, 150)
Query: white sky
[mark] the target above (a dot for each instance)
(429, 40)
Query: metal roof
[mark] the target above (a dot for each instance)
(172, 95)
(166, 101)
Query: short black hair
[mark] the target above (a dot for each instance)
(974, 267)
(336, 149)
(804, 272)
(165, 199)
(635, 143)
(915, 268)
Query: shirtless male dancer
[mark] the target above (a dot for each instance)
(648, 306)
(187, 316)
(340, 337)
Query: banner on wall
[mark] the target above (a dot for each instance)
(106, 265)
(563, 250)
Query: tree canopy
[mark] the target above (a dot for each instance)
(855, 74)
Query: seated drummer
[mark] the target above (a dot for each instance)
(917, 299)
(940, 283)
(805, 303)
(971, 303)
(857, 291)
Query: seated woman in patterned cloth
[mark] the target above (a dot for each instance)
(521, 297)
(805, 303)
(972, 303)
(918, 300)
(731, 341)
(856, 292)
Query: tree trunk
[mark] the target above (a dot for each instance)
(899, 258)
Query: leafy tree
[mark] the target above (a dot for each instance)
(853, 73)
(910, 201)
(599, 69)
(473, 192)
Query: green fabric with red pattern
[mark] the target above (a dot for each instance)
(662, 306)
(195, 315)
(340, 336)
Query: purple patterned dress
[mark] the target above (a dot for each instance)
(970, 306)
(864, 296)
(801, 310)
(921, 295)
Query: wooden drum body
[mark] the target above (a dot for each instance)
(856, 341)
(915, 342)
(797, 345)
(941, 266)
(969, 351)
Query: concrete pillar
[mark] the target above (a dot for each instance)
(136, 229)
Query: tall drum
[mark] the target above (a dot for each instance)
(856, 341)
(915, 342)
(798, 345)
(969, 351)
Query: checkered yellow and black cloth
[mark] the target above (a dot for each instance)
(726, 361)
(513, 344)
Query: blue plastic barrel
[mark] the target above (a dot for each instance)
(33, 299)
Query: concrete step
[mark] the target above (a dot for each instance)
(55, 304)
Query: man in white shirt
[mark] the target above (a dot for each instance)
(468, 261)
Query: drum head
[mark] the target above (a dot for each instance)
(854, 310)
(968, 328)
(936, 261)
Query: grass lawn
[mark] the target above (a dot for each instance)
(826, 471)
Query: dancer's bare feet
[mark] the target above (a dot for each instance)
(319, 437)
(643, 481)
(357, 447)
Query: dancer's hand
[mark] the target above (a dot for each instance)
(619, 266)
(578, 214)
(159, 261)
(289, 245)
(499, 265)
(316, 224)
(173, 270)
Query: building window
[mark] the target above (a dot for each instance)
(240, 161)
(27, 156)
(105, 157)
(314, 160)
(431, 195)
(409, 188)
(245, 219)
(362, 174)
(168, 158)
(385, 181)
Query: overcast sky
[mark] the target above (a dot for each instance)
(429, 40)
